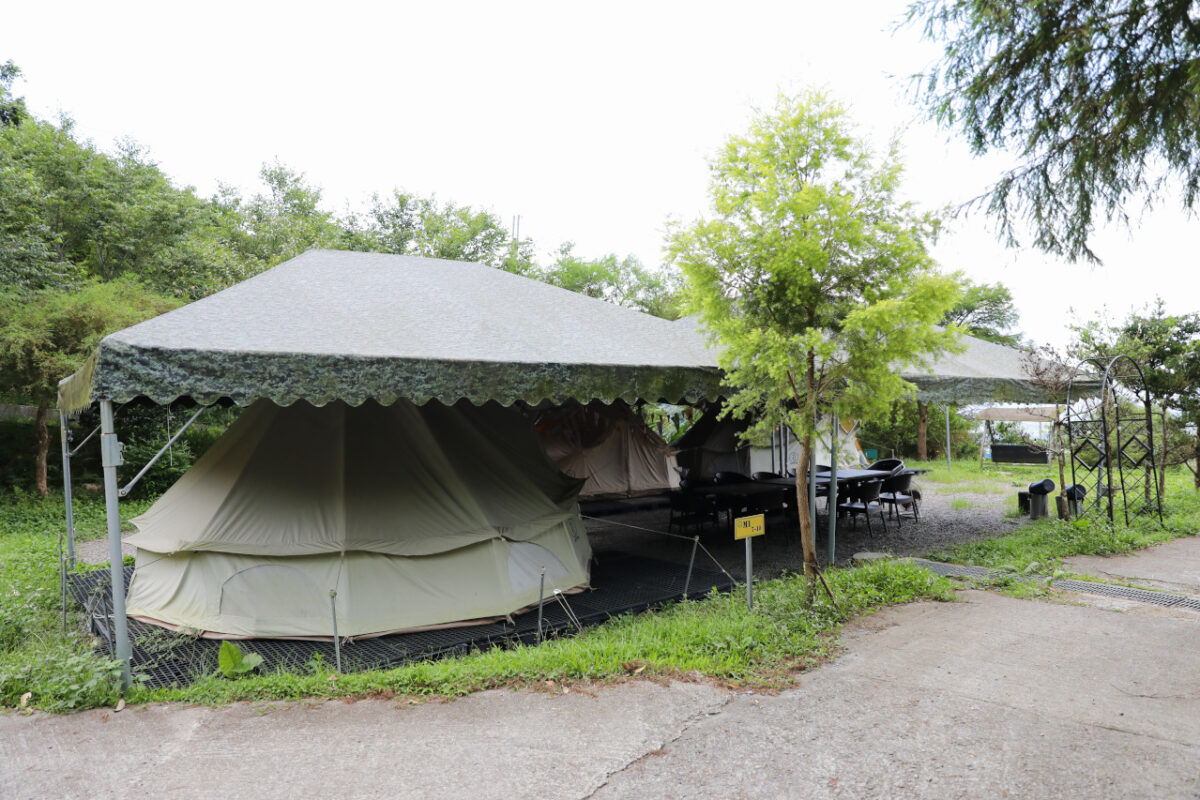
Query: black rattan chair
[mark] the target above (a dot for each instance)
(896, 493)
(863, 499)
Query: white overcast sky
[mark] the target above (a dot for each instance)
(592, 122)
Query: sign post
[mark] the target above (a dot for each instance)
(747, 528)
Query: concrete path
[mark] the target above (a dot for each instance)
(988, 697)
(1173, 566)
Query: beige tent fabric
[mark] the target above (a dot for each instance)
(608, 446)
(414, 515)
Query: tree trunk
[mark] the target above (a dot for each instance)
(1196, 458)
(1162, 465)
(1060, 456)
(922, 431)
(808, 542)
(43, 449)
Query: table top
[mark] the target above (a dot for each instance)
(843, 476)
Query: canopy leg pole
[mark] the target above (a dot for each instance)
(67, 492)
(831, 498)
(337, 644)
(541, 599)
(110, 459)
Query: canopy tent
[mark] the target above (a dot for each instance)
(608, 446)
(332, 325)
(983, 372)
(355, 327)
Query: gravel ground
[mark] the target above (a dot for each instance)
(949, 516)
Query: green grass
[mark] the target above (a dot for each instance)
(35, 653)
(1041, 545)
(715, 638)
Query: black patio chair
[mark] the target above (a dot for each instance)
(690, 507)
(730, 477)
(896, 493)
(762, 476)
(892, 465)
(863, 498)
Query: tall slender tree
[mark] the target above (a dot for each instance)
(813, 276)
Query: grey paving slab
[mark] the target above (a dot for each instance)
(1173, 566)
(992, 697)
(495, 744)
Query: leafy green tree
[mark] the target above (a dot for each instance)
(12, 109)
(624, 282)
(813, 276)
(408, 224)
(48, 336)
(986, 311)
(1099, 98)
(69, 211)
(277, 224)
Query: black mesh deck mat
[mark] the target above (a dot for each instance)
(622, 584)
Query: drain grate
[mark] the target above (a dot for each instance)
(623, 584)
(1113, 590)
(955, 570)
(1087, 587)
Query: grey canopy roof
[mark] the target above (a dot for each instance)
(331, 325)
(983, 372)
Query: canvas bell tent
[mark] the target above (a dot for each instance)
(609, 447)
(413, 515)
(332, 341)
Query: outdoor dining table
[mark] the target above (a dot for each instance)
(843, 476)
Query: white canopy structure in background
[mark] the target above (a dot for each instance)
(1018, 414)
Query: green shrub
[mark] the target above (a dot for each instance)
(61, 680)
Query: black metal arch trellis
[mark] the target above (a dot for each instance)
(1111, 442)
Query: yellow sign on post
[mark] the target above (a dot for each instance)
(747, 527)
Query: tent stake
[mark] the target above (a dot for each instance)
(110, 459)
(541, 597)
(687, 583)
(337, 644)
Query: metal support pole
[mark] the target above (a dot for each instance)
(541, 598)
(158, 455)
(337, 644)
(947, 436)
(749, 572)
(110, 459)
(687, 583)
(831, 499)
(65, 432)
